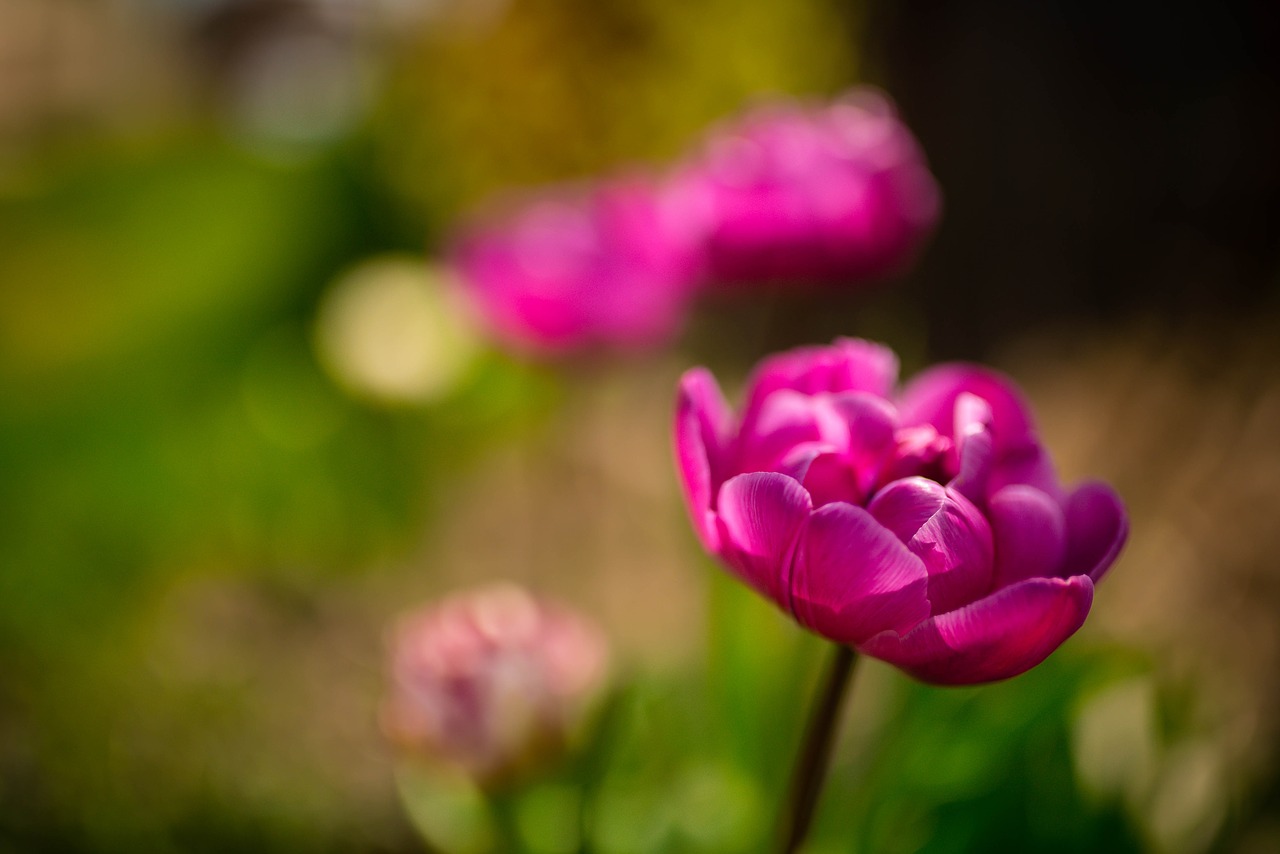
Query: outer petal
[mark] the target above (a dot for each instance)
(864, 366)
(1028, 464)
(1005, 634)
(760, 516)
(847, 365)
(944, 530)
(1097, 527)
(853, 578)
(1030, 534)
(930, 398)
(702, 435)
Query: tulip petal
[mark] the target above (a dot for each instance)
(702, 428)
(760, 516)
(919, 450)
(863, 366)
(868, 424)
(853, 578)
(1030, 534)
(1005, 634)
(1029, 464)
(830, 477)
(975, 446)
(946, 531)
(786, 419)
(930, 398)
(1097, 527)
(847, 365)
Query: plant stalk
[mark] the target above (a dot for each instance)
(815, 751)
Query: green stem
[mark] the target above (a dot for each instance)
(815, 753)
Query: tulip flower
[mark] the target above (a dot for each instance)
(811, 192)
(609, 265)
(492, 682)
(924, 527)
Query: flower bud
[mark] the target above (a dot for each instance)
(811, 193)
(492, 682)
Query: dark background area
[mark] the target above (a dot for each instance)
(1101, 161)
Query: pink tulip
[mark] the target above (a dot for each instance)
(492, 681)
(608, 265)
(811, 192)
(926, 528)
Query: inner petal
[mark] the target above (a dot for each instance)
(786, 419)
(831, 477)
(918, 451)
(946, 531)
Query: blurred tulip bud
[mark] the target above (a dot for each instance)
(493, 682)
(810, 193)
(606, 265)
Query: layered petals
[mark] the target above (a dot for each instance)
(702, 428)
(582, 266)
(760, 517)
(1030, 534)
(946, 531)
(853, 578)
(931, 398)
(847, 365)
(1097, 528)
(928, 530)
(786, 420)
(975, 446)
(1005, 634)
(812, 193)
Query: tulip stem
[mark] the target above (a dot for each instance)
(815, 752)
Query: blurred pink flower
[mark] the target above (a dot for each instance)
(492, 681)
(811, 192)
(925, 528)
(612, 264)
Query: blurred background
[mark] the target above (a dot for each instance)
(219, 483)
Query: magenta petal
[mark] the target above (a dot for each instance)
(830, 477)
(702, 427)
(853, 578)
(1029, 464)
(946, 531)
(1005, 634)
(1030, 534)
(930, 398)
(847, 365)
(760, 516)
(977, 456)
(919, 451)
(796, 463)
(786, 419)
(869, 423)
(864, 366)
(1097, 527)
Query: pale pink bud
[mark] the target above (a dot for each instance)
(492, 681)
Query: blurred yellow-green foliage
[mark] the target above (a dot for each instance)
(203, 533)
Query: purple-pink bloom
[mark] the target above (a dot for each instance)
(492, 681)
(612, 264)
(925, 527)
(833, 192)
